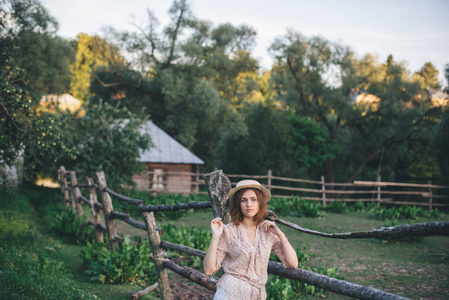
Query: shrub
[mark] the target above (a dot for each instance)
(311, 209)
(127, 263)
(281, 206)
(336, 206)
(358, 206)
(190, 237)
(70, 227)
(283, 288)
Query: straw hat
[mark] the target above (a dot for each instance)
(253, 184)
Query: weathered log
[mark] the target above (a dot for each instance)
(189, 250)
(415, 230)
(119, 215)
(76, 194)
(84, 199)
(174, 207)
(98, 206)
(158, 254)
(107, 209)
(218, 187)
(137, 224)
(192, 274)
(331, 284)
(147, 290)
(321, 281)
(65, 187)
(100, 226)
(95, 211)
(124, 198)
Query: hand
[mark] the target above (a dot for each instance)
(217, 227)
(272, 227)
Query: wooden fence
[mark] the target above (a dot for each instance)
(428, 194)
(218, 186)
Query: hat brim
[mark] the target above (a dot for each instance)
(266, 192)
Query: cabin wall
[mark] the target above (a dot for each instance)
(167, 182)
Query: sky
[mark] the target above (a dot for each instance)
(415, 31)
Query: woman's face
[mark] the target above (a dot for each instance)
(249, 205)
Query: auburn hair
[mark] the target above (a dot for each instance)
(236, 212)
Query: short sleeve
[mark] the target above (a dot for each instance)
(222, 249)
(279, 251)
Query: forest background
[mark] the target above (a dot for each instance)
(319, 110)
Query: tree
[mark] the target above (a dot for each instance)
(44, 57)
(428, 74)
(185, 77)
(23, 131)
(106, 138)
(92, 52)
(316, 76)
(277, 140)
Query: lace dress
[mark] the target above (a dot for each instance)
(245, 265)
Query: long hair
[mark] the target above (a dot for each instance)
(236, 212)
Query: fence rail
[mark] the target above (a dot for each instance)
(218, 186)
(429, 194)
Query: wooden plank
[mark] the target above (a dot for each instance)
(158, 256)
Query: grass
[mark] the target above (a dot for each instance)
(412, 269)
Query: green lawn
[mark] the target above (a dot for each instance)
(414, 269)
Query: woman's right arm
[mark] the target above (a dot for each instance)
(210, 261)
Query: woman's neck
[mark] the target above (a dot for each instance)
(248, 222)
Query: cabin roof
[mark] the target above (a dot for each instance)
(165, 149)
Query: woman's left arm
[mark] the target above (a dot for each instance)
(290, 255)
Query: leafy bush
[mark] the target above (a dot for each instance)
(190, 237)
(283, 288)
(297, 207)
(35, 274)
(128, 263)
(404, 212)
(71, 228)
(358, 206)
(336, 206)
(311, 209)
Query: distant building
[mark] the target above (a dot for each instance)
(170, 167)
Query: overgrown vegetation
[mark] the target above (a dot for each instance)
(72, 229)
(128, 263)
(283, 288)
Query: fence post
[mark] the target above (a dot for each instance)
(64, 187)
(95, 211)
(76, 194)
(323, 189)
(218, 187)
(107, 209)
(378, 190)
(430, 194)
(269, 180)
(158, 255)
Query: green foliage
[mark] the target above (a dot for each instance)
(13, 228)
(302, 142)
(283, 288)
(190, 237)
(106, 139)
(358, 206)
(336, 207)
(24, 132)
(403, 212)
(35, 273)
(128, 263)
(306, 208)
(297, 206)
(440, 143)
(67, 225)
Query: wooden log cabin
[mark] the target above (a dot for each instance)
(170, 167)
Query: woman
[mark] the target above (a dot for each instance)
(244, 246)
